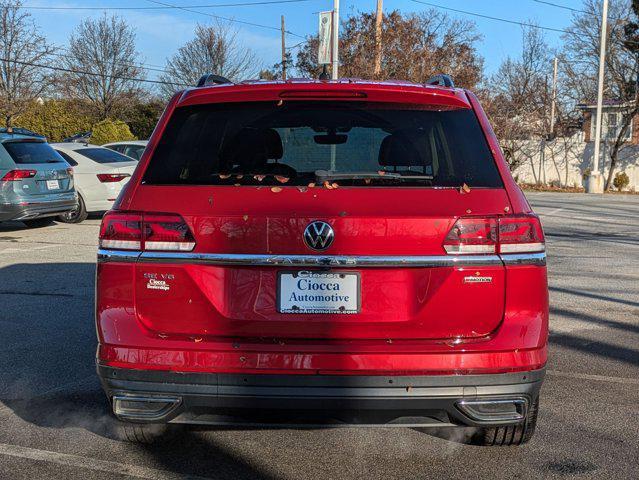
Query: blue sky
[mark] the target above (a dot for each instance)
(161, 32)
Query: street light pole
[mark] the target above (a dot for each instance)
(595, 180)
(335, 49)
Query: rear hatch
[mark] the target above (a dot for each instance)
(249, 179)
(37, 170)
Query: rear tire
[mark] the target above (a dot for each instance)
(77, 215)
(510, 434)
(146, 433)
(38, 222)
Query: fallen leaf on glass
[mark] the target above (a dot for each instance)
(311, 185)
(327, 185)
(240, 176)
(224, 176)
(276, 189)
(367, 181)
(236, 184)
(381, 172)
(245, 217)
(259, 178)
(281, 178)
(464, 189)
(334, 185)
(302, 189)
(197, 340)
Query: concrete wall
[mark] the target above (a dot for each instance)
(569, 157)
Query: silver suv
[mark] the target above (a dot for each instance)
(36, 184)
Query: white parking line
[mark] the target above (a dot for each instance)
(599, 378)
(78, 461)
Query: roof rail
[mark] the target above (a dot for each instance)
(442, 80)
(211, 79)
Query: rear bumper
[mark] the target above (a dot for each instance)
(153, 396)
(37, 209)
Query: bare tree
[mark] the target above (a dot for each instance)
(517, 99)
(580, 62)
(104, 64)
(22, 52)
(414, 47)
(215, 49)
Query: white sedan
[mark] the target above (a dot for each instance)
(131, 148)
(99, 175)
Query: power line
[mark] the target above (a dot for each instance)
(163, 7)
(227, 19)
(93, 74)
(565, 7)
(489, 17)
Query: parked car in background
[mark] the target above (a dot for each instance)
(100, 174)
(133, 148)
(324, 253)
(36, 184)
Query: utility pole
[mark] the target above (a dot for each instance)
(378, 38)
(283, 50)
(554, 98)
(335, 49)
(595, 181)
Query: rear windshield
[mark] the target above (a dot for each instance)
(31, 152)
(103, 155)
(297, 143)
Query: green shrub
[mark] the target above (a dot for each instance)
(142, 118)
(55, 119)
(621, 181)
(110, 130)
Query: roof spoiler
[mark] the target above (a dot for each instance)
(441, 80)
(211, 79)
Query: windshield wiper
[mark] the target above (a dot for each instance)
(323, 175)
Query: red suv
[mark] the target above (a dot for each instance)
(323, 253)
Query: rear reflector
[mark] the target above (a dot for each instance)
(112, 177)
(486, 235)
(14, 175)
(138, 231)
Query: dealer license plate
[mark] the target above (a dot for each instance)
(318, 292)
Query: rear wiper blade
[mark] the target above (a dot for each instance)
(332, 175)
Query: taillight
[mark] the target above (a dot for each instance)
(167, 232)
(112, 177)
(521, 234)
(484, 235)
(13, 175)
(121, 231)
(141, 231)
(472, 235)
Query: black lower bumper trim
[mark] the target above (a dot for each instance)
(209, 398)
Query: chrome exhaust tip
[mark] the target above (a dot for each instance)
(143, 407)
(495, 410)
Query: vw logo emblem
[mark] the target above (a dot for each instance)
(318, 235)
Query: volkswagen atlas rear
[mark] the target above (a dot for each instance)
(310, 253)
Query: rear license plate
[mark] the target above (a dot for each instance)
(318, 292)
(53, 185)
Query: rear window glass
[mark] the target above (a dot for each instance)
(297, 143)
(103, 155)
(24, 153)
(67, 158)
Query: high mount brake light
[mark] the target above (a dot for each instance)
(142, 231)
(14, 175)
(485, 235)
(112, 177)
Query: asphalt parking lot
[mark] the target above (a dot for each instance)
(53, 417)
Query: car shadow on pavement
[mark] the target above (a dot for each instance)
(48, 379)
